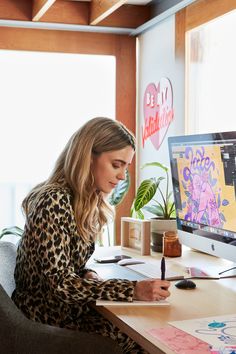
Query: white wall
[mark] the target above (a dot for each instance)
(156, 59)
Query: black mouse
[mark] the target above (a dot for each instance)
(185, 284)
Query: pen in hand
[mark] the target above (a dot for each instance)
(151, 289)
(163, 269)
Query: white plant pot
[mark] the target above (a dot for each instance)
(158, 226)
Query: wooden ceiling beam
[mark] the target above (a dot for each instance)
(40, 7)
(75, 12)
(100, 9)
(128, 16)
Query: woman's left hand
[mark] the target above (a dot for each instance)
(92, 275)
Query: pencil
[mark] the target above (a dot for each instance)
(163, 268)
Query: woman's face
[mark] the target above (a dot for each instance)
(109, 168)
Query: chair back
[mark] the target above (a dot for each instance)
(7, 266)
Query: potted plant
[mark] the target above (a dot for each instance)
(154, 196)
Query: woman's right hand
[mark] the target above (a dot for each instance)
(151, 290)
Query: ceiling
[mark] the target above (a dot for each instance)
(96, 11)
(113, 16)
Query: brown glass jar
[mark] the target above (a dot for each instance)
(171, 245)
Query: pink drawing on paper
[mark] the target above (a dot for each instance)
(218, 331)
(179, 341)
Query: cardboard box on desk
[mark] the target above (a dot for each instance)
(136, 234)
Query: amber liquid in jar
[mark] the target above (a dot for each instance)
(171, 245)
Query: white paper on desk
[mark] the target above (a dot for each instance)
(153, 271)
(217, 331)
(133, 303)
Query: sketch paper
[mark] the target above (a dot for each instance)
(218, 331)
(179, 341)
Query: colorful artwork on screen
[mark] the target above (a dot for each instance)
(202, 186)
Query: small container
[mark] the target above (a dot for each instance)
(171, 245)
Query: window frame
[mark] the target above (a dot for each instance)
(123, 47)
(192, 16)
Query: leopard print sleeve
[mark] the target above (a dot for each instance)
(62, 253)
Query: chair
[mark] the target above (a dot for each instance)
(19, 335)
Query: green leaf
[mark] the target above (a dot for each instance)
(119, 191)
(171, 210)
(13, 230)
(137, 214)
(154, 209)
(146, 191)
(157, 164)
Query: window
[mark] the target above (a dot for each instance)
(211, 75)
(45, 98)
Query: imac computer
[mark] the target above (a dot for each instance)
(203, 169)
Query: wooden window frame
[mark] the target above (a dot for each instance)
(192, 16)
(196, 14)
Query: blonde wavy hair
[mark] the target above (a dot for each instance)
(73, 170)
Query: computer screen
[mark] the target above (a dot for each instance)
(203, 169)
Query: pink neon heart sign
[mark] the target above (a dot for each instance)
(158, 112)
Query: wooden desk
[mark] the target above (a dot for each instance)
(210, 298)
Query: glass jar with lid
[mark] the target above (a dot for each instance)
(171, 245)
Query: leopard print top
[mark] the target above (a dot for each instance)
(50, 265)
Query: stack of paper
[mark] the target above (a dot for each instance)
(133, 303)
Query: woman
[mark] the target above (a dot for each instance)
(64, 215)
